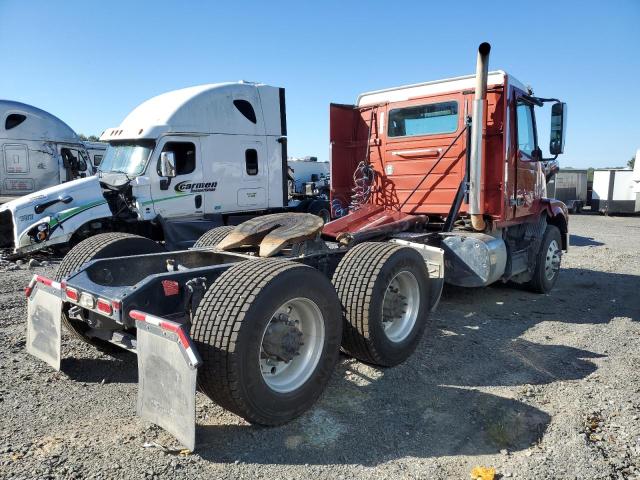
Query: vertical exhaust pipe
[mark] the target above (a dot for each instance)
(475, 164)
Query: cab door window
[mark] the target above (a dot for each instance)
(185, 156)
(526, 130)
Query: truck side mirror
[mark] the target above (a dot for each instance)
(558, 128)
(167, 164)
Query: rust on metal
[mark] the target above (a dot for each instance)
(273, 232)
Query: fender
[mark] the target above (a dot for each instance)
(558, 215)
(60, 226)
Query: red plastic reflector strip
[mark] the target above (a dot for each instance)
(183, 338)
(72, 294)
(175, 328)
(43, 280)
(170, 287)
(104, 306)
(136, 315)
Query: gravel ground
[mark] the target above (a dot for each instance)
(535, 386)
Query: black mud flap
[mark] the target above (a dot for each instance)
(167, 372)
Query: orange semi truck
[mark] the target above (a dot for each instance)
(441, 181)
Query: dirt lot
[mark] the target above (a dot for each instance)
(535, 386)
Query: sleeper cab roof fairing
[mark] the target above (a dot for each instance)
(38, 125)
(201, 109)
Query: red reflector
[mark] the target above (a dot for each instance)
(27, 291)
(170, 287)
(72, 294)
(104, 306)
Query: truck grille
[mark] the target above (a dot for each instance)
(6, 229)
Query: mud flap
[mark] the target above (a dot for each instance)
(44, 314)
(167, 371)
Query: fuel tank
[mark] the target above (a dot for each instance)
(473, 259)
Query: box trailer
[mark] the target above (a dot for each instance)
(615, 191)
(569, 186)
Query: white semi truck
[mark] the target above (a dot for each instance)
(178, 165)
(37, 150)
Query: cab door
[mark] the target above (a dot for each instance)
(526, 195)
(183, 194)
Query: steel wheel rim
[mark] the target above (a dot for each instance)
(285, 377)
(552, 260)
(400, 306)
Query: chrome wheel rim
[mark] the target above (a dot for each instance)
(400, 306)
(552, 260)
(296, 326)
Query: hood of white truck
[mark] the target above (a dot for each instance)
(78, 194)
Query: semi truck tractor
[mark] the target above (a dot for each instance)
(37, 150)
(225, 145)
(437, 182)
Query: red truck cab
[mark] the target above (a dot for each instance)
(401, 161)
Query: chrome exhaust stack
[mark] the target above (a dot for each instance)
(475, 164)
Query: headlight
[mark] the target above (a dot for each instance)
(40, 233)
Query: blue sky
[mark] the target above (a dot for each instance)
(90, 63)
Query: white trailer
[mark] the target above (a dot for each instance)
(615, 191)
(178, 165)
(37, 150)
(308, 170)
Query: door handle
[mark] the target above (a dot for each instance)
(423, 152)
(198, 201)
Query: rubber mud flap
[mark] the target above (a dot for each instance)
(44, 314)
(167, 372)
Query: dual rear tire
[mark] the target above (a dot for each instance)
(269, 331)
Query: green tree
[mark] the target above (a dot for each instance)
(90, 138)
(631, 163)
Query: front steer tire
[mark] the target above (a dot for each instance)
(545, 277)
(229, 328)
(103, 245)
(362, 280)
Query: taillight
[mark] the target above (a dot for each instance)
(104, 306)
(72, 294)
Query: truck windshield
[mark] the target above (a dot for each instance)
(128, 158)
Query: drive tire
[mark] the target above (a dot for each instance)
(213, 237)
(228, 329)
(103, 245)
(361, 280)
(541, 282)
